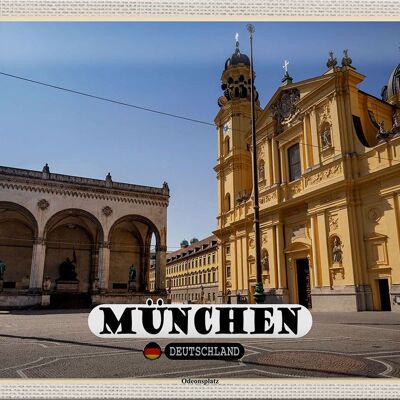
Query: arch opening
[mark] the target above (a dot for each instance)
(72, 240)
(18, 230)
(134, 243)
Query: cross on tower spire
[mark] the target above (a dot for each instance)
(285, 66)
(286, 77)
(237, 41)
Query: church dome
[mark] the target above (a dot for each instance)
(393, 86)
(237, 57)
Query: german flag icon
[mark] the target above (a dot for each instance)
(152, 351)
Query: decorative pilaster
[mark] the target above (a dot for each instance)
(269, 163)
(275, 162)
(282, 282)
(312, 272)
(314, 247)
(283, 164)
(323, 249)
(306, 143)
(314, 137)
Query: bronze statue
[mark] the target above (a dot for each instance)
(132, 273)
(265, 260)
(67, 270)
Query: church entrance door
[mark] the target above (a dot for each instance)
(384, 294)
(303, 282)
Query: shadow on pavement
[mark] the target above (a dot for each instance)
(318, 371)
(52, 340)
(49, 311)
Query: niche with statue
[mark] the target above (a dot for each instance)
(265, 266)
(336, 261)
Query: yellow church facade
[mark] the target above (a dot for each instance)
(328, 157)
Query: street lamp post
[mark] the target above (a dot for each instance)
(259, 289)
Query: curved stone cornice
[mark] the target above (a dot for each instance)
(89, 193)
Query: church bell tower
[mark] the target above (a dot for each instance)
(233, 123)
(234, 172)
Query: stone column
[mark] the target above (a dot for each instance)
(161, 262)
(37, 266)
(104, 265)
(94, 269)
(143, 269)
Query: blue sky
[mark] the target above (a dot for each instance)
(172, 67)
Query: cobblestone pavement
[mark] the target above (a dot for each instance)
(58, 344)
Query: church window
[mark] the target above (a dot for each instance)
(227, 145)
(228, 271)
(227, 202)
(294, 162)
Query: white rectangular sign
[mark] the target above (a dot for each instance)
(200, 321)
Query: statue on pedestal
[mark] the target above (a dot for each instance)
(96, 285)
(47, 284)
(132, 273)
(337, 252)
(67, 269)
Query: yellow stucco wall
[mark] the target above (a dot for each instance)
(347, 191)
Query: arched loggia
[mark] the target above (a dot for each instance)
(76, 235)
(18, 230)
(130, 241)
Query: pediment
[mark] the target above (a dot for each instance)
(304, 89)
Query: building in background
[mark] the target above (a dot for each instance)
(65, 237)
(192, 272)
(328, 159)
(152, 271)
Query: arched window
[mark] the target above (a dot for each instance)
(294, 162)
(227, 202)
(227, 145)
